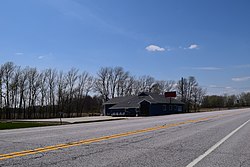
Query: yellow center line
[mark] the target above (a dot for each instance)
(94, 140)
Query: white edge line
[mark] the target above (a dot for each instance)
(194, 162)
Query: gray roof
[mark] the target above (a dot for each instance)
(134, 101)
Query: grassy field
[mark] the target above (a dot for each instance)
(15, 125)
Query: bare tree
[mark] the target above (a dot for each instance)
(145, 82)
(89, 85)
(33, 86)
(43, 77)
(166, 86)
(22, 89)
(125, 84)
(61, 87)
(71, 79)
(190, 92)
(85, 82)
(198, 96)
(52, 73)
(102, 83)
(1, 87)
(14, 88)
(8, 69)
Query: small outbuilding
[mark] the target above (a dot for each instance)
(144, 104)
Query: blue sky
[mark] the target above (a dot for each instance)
(167, 39)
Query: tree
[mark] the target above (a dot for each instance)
(124, 82)
(244, 99)
(51, 75)
(230, 100)
(102, 83)
(126, 86)
(8, 69)
(33, 86)
(1, 87)
(189, 92)
(22, 82)
(14, 87)
(85, 83)
(145, 83)
(162, 86)
(198, 96)
(71, 79)
(213, 101)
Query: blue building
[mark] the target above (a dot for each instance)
(144, 104)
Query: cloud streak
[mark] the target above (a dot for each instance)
(190, 47)
(207, 68)
(220, 87)
(241, 79)
(154, 48)
(19, 53)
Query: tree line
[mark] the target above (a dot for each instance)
(226, 101)
(30, 93)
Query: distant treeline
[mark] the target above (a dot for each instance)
(226, 101)
(29, 93)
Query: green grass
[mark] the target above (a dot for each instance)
(16, 125)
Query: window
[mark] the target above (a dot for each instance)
(170, 108)
(175, 108)
(164, 107)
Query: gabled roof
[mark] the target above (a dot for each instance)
(130, 103)
(134, 101)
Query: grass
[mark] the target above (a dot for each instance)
(16, 125)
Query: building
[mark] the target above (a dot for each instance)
(144, 104)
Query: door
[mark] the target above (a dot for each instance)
(144, 108)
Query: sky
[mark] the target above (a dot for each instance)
(166, 39)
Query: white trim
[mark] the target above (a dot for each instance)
(144, 100)
(151, 97)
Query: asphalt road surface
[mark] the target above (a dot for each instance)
(198, 139)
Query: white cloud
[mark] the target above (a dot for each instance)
(213, 86)
(240, 79)
(193, 46)
(19, 53)
(40, 57)
(43, 56)
(220, 87)
(207, 68)
(154, 48)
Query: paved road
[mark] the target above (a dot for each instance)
(198, 139)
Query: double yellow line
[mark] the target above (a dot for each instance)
(94, 140)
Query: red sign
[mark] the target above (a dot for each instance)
(170, 94)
